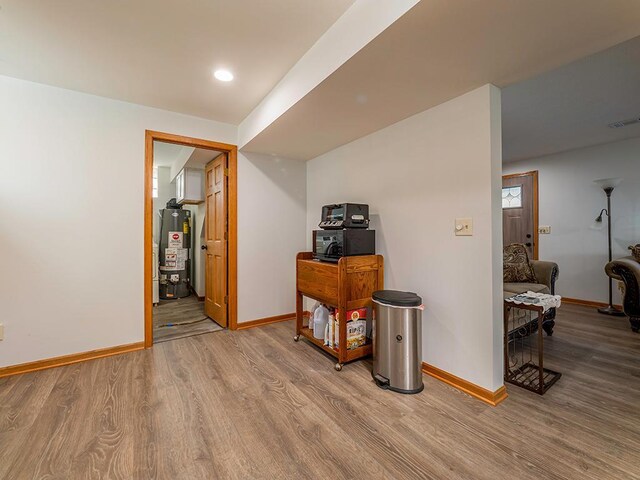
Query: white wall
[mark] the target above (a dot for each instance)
(166, 191)
(198, 257)
(71, 187)
(417, 176)
(569, 203)
(271, 231)
(180, 162)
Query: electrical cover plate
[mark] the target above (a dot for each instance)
(464, 227)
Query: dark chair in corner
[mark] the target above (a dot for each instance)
(546, 274)
(627, 270)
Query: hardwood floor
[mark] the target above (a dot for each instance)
(189, 311)
(253, 404)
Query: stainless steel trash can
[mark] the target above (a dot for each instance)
(397, 341)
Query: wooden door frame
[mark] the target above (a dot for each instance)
(536, 233)
(232, 209)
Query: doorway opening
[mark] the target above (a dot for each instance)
(520, 211)
(190, 250)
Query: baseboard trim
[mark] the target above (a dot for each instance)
(266, 321)
(68, 359)
(476, 391)
(587, 303)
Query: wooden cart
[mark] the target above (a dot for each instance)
(346, 285)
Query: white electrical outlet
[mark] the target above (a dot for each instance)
(464, 226)
(544, 229)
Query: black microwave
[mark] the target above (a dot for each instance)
(344, 215)
(330, 245)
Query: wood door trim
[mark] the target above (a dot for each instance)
(68, 359)
(536, 233)
(481, 393)
(232, 241)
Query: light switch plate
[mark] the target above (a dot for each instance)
(464, 227)
(544, 229)
(1, 331)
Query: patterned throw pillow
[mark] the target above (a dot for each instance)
(516, 265)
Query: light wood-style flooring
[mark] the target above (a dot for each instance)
(253, 404)
(183, 317)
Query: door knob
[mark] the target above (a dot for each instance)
(528, 244)
(528, 235)
(203, 247)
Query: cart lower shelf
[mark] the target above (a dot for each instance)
(353, 354)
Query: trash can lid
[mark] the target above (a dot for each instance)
(397, 298)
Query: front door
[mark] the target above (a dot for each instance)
(519, 211)
(215, 302)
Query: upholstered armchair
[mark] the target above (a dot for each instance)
(627, 270)
(546, 274)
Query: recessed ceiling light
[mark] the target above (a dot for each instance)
(223, 75)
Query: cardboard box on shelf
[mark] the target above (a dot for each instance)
(356, 334)
(357, 314)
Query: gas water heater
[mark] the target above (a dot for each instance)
(175, 251)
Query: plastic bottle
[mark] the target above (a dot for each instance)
(315, 306)
(320, 319)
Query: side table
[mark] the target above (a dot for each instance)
(524, 353)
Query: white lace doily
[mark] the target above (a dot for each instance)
(543, 300)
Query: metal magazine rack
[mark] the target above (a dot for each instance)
(524, 348)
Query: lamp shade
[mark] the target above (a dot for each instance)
(605, 183)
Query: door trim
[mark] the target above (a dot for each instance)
(232, 209)
(536, 233)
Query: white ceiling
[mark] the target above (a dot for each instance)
(165, 154)
(161, 53)
(180, 156)
(572, 106)
(200, 157)
(437, 51)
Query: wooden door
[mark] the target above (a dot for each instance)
(215, 302)
(520, 210)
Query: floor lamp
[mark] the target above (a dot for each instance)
(608, 184)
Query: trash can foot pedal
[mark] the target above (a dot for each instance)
(381, 381)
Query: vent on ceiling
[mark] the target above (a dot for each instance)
(624, 123)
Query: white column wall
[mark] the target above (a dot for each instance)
(418, 176)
